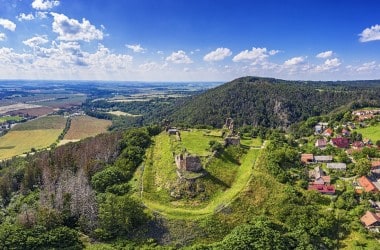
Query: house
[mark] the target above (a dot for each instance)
(345, 132)
(367, 185)
(375, 167)
(323, 158)
(307, 158)
(320, 127)
(323, 189)
(172, 131)
(367, 141)
(340, 142)
(337, 166)
(328, 132)
(370, 220)
(321, 143)
(357, 144)
(319, 177)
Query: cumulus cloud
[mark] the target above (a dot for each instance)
(36, 41)
(26, 17)
(44, 4)
(179, 57)
(273, 52)
(41, 14)
(328, 65)
(367, 67)
(256, 55)
(217, 55)
(2, 36)
(73, 30)
(294, 61)
(325, 54)
(370, 34)
(7, 24)
(135, 47)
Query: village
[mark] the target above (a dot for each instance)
(356, 163)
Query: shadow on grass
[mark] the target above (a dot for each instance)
(215, 180)
(227, 157)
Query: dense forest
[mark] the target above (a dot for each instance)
(274, 103)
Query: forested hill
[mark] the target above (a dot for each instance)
(274, 103)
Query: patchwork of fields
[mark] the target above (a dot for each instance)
(36, 134)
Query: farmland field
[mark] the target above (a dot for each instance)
(47, 122)
(10, 118)
(18, 142)
(86, 126)
(372, 132)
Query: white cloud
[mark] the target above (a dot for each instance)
(7, 24)
(135, 47)
(328, 65)
(41, 14)
(72, 30)
(179, 57)
(256, 55)
(160, 52)
(217, 55)
(2, 36)
(36, 41)
(273, 52)
(26, 17)
(370, 34)
(325, 54)
(44, 4)
(294, 61)
(367, 67)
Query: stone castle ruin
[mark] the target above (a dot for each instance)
(188, 162)
(232, 138)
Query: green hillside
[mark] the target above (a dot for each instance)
(272, 102)
(226, 175)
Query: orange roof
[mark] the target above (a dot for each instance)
(307, 157)
(328, 131)
(375, 164)
(367, 184)
(369, 218)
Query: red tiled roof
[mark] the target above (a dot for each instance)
(369, 218)
(341, 142)
(367, 184)
(323, 189)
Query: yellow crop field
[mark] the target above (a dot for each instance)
(19, 142)
(86, 126)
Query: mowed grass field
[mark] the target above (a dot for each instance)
(37, 134)
(372, 132)
(85, 126)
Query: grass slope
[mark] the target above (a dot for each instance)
(10, 118)
(225, 180)
(371, 132)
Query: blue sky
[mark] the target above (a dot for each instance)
(198, 40)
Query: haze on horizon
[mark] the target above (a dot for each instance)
(202, 40)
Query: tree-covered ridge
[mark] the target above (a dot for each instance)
(272, 102)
